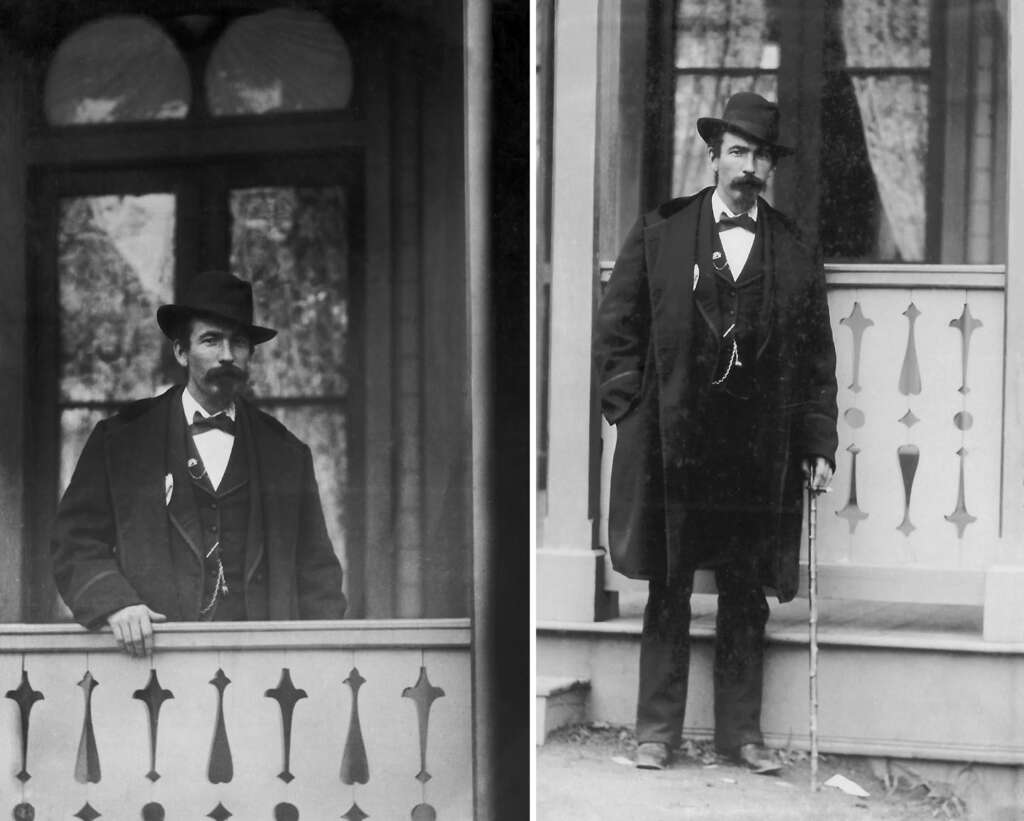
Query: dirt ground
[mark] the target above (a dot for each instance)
(586, 773)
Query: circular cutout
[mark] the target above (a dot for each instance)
(854, 417)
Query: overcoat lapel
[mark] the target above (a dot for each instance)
(775, 255)
(671, 249)
(705, 292)
(182, 510)
(255, 540)
(137, 479)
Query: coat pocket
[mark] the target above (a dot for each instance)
(620, 395)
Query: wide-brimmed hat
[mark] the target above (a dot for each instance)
(217, 295)
(749, 115)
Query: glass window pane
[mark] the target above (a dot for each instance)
(324, 429)
(115, 268)
(887, 33)
(883, 197)
(726, 34)
(874, 188)
(75, 426)
(117, 69)
(293, 244)
(279, 60)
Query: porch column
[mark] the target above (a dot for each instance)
(1004, 584)
(15, 554)
(569, 581)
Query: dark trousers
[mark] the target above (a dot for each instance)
(739, 659)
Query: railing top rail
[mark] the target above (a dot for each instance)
(262, 635)
(896, 275)
(987, 277)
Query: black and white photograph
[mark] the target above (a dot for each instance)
(264, 380)
(778, 397)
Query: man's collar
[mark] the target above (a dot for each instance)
(718, 206)
(191, 407)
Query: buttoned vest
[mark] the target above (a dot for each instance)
(224, 518)
(739, 305)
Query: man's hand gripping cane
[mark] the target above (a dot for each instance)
(817, 473)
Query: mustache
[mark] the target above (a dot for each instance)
(227, 372)
(751, 181)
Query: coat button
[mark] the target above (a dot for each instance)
(258, 577)
(213, 528)
(213, 505)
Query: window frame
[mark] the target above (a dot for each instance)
(201, 195)
(800, 75)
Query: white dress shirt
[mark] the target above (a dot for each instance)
(736, 242)
(215, 445)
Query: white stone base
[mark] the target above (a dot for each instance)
(1004, 616)
(570, 586)
(561, 701)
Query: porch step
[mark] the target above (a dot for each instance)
(561, 700)
(895, 680)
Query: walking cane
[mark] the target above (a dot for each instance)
(812, 599)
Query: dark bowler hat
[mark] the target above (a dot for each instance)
(749, 115)
(217, 295)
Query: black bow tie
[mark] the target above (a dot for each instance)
(741, 221)
(219, 421)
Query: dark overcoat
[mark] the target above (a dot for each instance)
(644, 341)
(119, 539)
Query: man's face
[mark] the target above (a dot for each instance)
(743, 167)
(217, 360)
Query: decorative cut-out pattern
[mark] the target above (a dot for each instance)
(857, 323)
(423, 693)
(219, 813)
(910, 374)
(967, 325)
(909, 419)
(87, 813)
(354, 814)
(221, 770)
(909, 456)
(287, 696)
(960, 517)
(963, 420)
(153, 696)
(852, 512)
(854, 417)
(24, 812)
(355, 769)
(153, 812)
(286, 812)
(87, 765)
(25, 697)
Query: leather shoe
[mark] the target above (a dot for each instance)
(652, 755)
(757, 759)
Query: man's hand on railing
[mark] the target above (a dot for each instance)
(133, 628)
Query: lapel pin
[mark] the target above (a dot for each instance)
(168, 489)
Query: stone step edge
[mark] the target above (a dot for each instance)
(551, 686)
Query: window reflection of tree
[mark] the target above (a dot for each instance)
(109, 352)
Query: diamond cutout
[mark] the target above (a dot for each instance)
(219, 813)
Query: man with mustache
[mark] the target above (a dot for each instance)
(195, 505)
(716, 364)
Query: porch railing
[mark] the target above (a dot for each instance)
(266, 720)
(914, 514)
